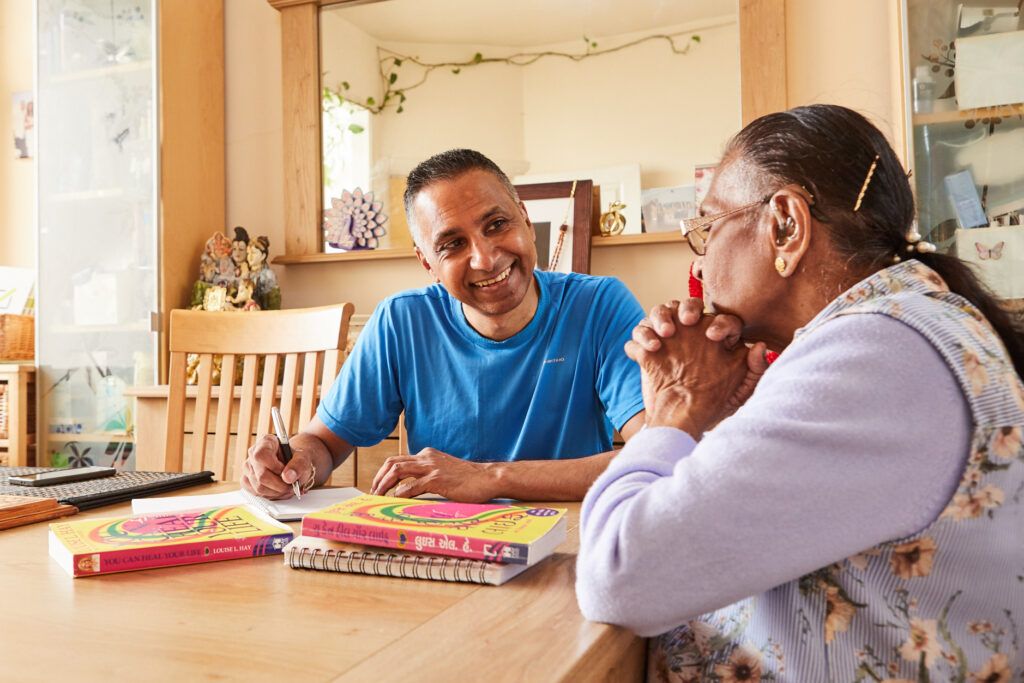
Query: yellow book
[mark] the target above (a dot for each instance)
(120, 544)
(511, 534)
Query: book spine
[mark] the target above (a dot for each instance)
(130, 559)
(417, 541)
(398, 565)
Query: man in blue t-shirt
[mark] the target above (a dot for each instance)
(511, 379)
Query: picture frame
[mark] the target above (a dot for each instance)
(616, 183)
(547, 205)
(665, 207)
(23, 124)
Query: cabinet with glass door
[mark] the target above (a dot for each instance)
(964, 77)
(115, 185)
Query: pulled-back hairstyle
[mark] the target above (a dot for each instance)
(446, 166)
(828, 150)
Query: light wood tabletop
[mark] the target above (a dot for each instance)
(256, 619)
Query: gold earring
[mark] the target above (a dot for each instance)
(780, 265)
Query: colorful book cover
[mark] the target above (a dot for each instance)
(104, 546)
(510, 534)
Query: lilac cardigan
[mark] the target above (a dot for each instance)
(856, 436)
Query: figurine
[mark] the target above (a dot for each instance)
(266, 291)
(233, 276)
(612, 222)
(354, 221)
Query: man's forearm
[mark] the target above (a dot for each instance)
(547, 480)
(320, 455)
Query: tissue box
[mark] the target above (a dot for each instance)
(990, 70)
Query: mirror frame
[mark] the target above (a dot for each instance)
(762, 27)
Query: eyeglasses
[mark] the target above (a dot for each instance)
(696, 230)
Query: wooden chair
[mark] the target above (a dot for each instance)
(310, 341)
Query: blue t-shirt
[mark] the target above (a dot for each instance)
(553, 390)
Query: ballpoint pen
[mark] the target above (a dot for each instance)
(286, 449)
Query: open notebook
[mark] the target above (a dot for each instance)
(288, 510)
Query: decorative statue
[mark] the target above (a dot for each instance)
(233, 276)
(354, 221)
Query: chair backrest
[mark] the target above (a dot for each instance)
(307, 340)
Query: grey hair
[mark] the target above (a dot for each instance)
(447, 166)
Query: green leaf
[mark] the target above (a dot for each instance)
(370, 101)
(400, 109)
(392, 78)
(344, 84)
(593, 43)
(401, 96)
(398, 62)
(456, 70)
(355, 128)
(695, 38)
(477, 58)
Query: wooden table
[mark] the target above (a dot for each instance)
(256, 619)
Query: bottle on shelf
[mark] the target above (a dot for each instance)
(924, 90)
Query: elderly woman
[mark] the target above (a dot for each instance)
(860, 517)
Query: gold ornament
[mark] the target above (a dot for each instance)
(780, 265)
(612, 222)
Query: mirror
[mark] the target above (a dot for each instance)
(633, 94)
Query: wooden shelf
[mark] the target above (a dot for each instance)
(98, 437)
(103, 71)
(637, 240)
(138, 326)
(376, 254)
(367, 255)
(977, 114)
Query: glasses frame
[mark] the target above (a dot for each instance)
(699, 225)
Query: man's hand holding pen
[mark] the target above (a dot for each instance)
(273, 470)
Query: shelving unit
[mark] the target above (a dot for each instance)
(19, 442)
(377, 254)
(131, 185)
(947, 143)
(957, 115)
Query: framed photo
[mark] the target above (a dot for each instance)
(23, 121)
(664, 207)
(702, 177)
(617, 184)
(549, 206)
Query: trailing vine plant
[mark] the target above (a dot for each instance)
(390, 64)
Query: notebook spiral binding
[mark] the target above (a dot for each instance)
(389, 564)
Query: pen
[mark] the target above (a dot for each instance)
(286, 448)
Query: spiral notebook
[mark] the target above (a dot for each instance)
(306, 552)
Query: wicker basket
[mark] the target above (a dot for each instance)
(3, 411)
(17, 337)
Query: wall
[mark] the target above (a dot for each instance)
(670, 112)
(17, 176)
(838, 51)
(842, 52)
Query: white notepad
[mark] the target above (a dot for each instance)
(288, 510)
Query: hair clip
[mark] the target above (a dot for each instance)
(864, 187)
(915, 243)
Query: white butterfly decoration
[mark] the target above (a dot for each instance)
(994, 253)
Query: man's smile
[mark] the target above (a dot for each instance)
(500, 277)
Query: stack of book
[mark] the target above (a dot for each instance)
(427, 539)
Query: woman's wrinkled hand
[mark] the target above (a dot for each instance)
(690, 380)
(663, 320)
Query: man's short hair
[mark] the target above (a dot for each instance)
(447, 166)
